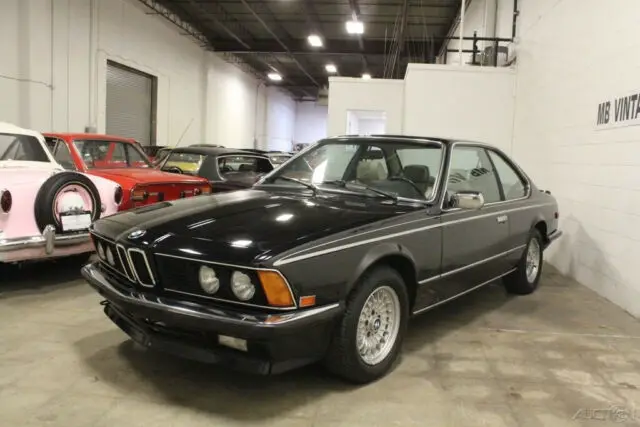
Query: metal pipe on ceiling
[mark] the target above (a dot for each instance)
(462, 8)
(284, 46)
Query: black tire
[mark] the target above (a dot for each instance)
(45, 199)
(343, 358)
(518, 282)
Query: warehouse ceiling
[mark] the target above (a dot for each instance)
(271, 36)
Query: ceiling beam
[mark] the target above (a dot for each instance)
(331, 46)
(280, 42)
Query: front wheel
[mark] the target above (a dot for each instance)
(525, 279)
(368, 339)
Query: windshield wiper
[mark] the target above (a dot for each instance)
(309, 185)
(344, 184)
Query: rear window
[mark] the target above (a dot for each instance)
(228, 164)
(22, 147)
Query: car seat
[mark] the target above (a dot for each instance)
(419, 175)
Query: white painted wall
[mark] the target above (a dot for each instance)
(489, 18)
(459, 102)
(311, 122)
(564, 72)
(356, 94)
(281, 117)
(53, 70)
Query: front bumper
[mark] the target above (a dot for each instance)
(553, 236)
(275, 342)
(46, 245)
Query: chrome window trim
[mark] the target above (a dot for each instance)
(432, 306)
(468, 266)
(387, 139)
(502, 155)
(146, 262)
(240, 267)
(290, 259)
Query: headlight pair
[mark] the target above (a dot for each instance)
(241, 285)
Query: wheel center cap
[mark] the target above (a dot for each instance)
(376, 324)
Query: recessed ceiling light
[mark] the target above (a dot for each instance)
(355, 27)
(274, 76)
(366, 76)
(331, 68)
(315, 40)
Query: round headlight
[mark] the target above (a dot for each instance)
(100, 250)
(241, 286)
(110, 259)
(209, 282)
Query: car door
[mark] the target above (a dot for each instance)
(473, 242)
(515, 190)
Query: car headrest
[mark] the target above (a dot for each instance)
(417, 173)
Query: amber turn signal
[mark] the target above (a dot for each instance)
(307, 301)
(276, 289)
(206, 190)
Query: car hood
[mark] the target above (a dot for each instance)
(240, 227)
(143, 176)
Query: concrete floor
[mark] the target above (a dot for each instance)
(561, 357)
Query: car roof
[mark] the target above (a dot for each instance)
(6, 127)
(216, 151)
(91, 136)
(395, 137)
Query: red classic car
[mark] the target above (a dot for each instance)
(121, 160)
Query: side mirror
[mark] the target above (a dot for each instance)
(468, 200)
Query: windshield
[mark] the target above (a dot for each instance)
(405, 169)
(22, 147)
(111, 154)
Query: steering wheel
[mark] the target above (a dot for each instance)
(408, 181)
(173, 169)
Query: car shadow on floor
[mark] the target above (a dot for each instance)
(41, 276)
(142, 373)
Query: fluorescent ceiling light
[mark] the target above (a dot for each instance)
(366, 76)
(355, 27)
(331, 68)
(274, 76)
(315, 40)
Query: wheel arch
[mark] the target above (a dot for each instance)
(540, 224)
(393, 255)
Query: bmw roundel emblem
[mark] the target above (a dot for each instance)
(135, 234)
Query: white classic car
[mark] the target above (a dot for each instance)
(45, 211)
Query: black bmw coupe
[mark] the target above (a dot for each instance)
(327, 257)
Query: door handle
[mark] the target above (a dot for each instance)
(502, 219)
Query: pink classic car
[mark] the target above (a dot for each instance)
(45, 211)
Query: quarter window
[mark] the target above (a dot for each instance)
(471, 170)
(63, 155)
(513, 185)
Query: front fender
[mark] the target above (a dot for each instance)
(375, 254)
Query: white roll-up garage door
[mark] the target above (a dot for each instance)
(130, 103)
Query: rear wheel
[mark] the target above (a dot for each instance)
(527, 275)
(368, 339)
